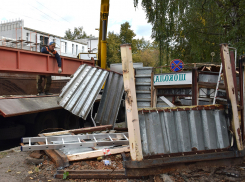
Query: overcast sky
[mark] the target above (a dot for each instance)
(57, 16)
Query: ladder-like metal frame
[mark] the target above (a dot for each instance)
(217, 86)
(74, 141)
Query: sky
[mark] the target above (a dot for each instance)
(57, 16)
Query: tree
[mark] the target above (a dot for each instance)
(113, 48)
(142, 50)
(78, 33)
(191, 30)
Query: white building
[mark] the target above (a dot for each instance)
(14, 34)
(92, 44)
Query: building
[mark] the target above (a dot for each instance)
(15, 34)
(92, 44)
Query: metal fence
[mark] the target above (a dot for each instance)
(183, 131)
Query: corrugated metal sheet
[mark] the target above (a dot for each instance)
(80, 92)
(183, 131)
(111, 99)
(143, 86)
(19, 106)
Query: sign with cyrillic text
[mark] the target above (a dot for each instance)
(173, 79)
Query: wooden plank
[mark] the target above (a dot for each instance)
(131, 103)
(195, 94)
(152, 87)
(96, 153)
(233, 70)
(229, 82)
(241, 85)
(56, 156)
(80, 130)
(155, 98)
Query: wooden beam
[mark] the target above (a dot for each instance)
(230, 90)
(80, 130)
(195, 94)
(154, 104)
(152, 87)
(96, 153)
(131, 103)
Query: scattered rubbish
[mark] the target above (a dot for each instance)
(107, 162)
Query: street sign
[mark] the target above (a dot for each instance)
(176, 65)
(183, 78)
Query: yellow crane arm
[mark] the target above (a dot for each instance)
(104, 13)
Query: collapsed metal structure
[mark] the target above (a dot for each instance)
(162, 138)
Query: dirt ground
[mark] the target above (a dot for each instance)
(15, 166)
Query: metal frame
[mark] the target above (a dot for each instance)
(72, 141)
(19, 60)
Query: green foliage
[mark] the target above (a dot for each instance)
(142, 50)
(65, 175)
(191, 30)
(113, 48)
(78, 33)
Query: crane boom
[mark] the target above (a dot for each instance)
(104, 13)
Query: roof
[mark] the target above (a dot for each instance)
(45, 33)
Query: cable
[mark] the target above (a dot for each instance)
(53, 12)
(44, 13)
(22, 15)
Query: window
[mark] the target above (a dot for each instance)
(76, 49)
(63, 47)
(72, 48)
(27, 36)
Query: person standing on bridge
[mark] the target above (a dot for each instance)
(48, 50)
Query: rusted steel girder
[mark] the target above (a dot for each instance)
(95, 174)
(148, 163)
(19, 60)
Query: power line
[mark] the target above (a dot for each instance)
(53, 12)
(22, 15)
(43, 13)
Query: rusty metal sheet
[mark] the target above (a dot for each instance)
(95, 174)
(19, 60)
(183, 129)
(19, 106)
(111, 99)
(79, 94)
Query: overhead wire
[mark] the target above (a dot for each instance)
(43, 13)
(22, 15)
(53, 12)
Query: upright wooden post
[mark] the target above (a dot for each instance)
(241, 85)
(231, 95)
(131, 103)
(195, 94)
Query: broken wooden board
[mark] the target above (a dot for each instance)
(96, 153)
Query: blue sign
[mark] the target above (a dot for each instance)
(176, 65)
